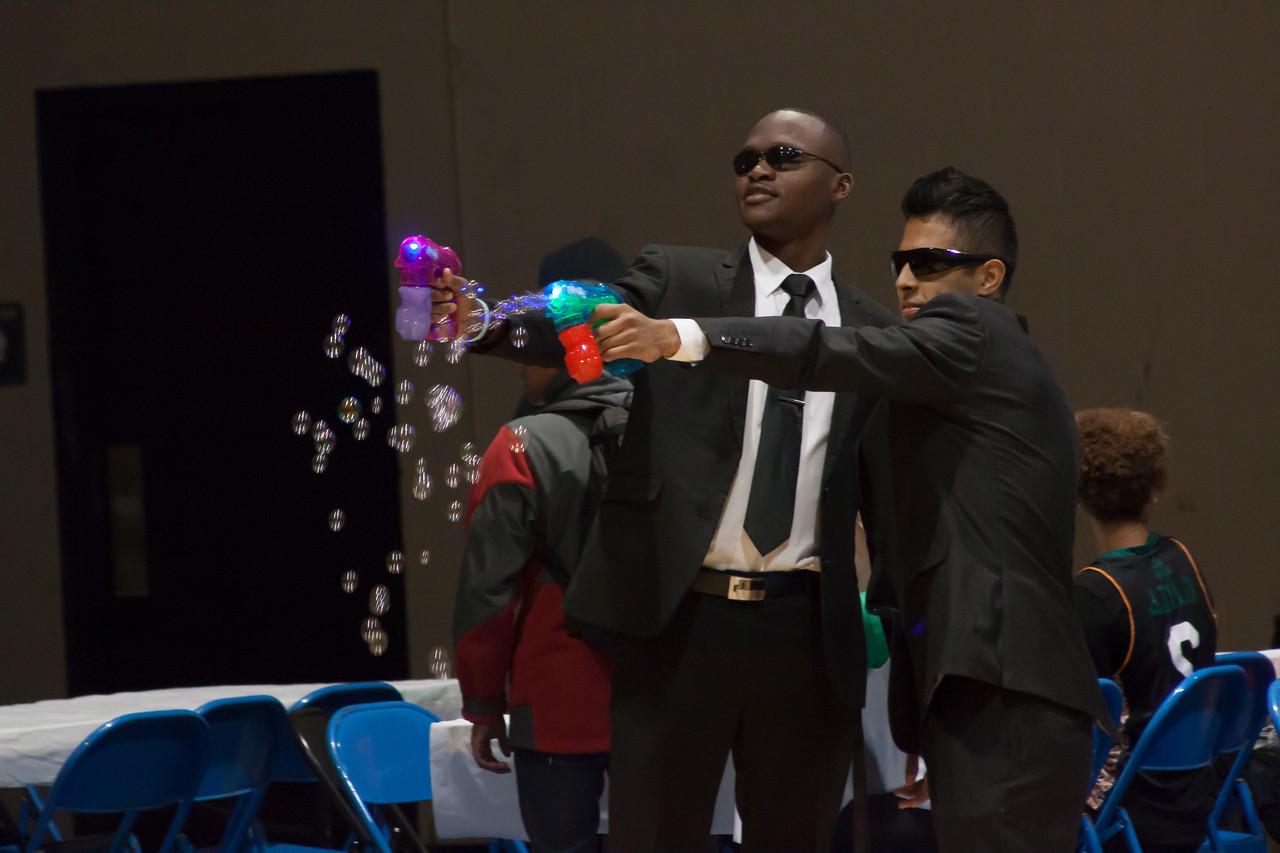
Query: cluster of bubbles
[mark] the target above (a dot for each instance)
(335, 341)
(421, 480)
(362, 364)
(444, 405)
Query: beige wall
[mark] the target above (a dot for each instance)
(1135, 142)
(47, 45)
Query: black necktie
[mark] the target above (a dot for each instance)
(773, 483)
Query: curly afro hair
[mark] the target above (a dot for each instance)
(1124, 459)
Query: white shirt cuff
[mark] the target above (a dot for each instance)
(694, 345)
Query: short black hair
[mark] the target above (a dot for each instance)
(585, 258)
(833, 127)
(981, 215)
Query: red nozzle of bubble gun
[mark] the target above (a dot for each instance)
(581, 355)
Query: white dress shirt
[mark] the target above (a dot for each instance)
(731, 547)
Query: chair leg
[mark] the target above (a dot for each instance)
(123, 832)
(175, 825)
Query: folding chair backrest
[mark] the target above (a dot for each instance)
(1195, 720)
(337, 696)
(134, 762)
(1259, 673)
(244, 732)
(294, 763)
(382, 751)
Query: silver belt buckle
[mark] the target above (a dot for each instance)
(745, 589)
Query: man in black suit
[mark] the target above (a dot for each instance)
(722, 551)
(973, 518)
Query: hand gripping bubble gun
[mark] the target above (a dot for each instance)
(569, 307)
(421, 262)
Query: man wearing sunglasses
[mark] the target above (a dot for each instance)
(738, 610)
(972, 461)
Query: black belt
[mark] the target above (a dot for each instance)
(753, 586)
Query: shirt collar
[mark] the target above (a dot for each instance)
(769, 273)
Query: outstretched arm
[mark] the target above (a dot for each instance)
(931, 359)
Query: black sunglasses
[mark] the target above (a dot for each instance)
(934, 261)
(777, 156)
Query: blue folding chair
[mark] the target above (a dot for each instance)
(1113, 698)
(1259, 675)
(1199, 719)
(134, 763)
(382, 756)
(302, 756)
(245, 732)
(1273, 702)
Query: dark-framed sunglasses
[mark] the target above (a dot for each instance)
(934, 261)
(777, 156)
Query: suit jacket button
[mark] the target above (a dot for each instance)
(724, 339)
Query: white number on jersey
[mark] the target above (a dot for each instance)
(1183, 632)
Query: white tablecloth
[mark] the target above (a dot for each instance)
(36, 738)
(472, 803)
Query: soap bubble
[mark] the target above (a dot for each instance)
(445, 405)
(404, 391)
(520, 337)
(349, 410)
(422, 353)
(457, 349)
(350, 579)
(453, 476)
(375, 405)
(319, 463)
(519, 439)
(370, 626)
(424, 557)
(455, 511)
(337, 520)
(341, 324)
(333, 346)
(378, 643)
(379, 600)
(377, 375)
(439, 666)
(468, 454)
(402, 437)
(395, 562)
(421, 485)
(360, 429)
(473, 475)
(301, 423)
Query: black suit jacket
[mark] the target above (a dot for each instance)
(972, 462)
(669, 480)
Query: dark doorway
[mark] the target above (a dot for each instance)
(200, 238)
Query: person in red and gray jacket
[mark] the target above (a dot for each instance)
(529, 512)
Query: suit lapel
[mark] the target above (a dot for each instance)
(845, 402)
(737, 286)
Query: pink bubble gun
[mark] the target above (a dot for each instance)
(421, 262)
